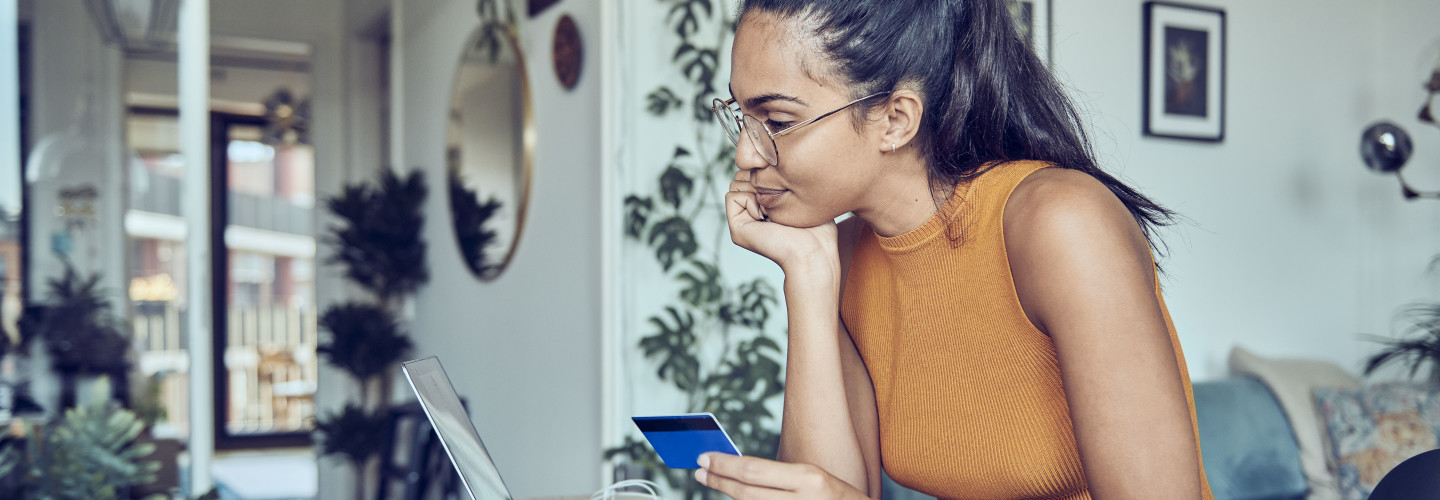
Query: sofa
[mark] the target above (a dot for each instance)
(1261, 434)
(1249, 450)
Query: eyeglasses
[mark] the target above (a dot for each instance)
(734, 122)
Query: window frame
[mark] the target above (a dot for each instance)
(220, 123)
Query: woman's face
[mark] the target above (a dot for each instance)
(825, 167)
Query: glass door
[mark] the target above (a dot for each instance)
(263, 266)
(265, 275)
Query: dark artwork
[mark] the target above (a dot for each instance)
(1186, 71)
(1024, 13)
(538, 6)
(568, 52)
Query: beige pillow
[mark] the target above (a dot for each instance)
(1293, 382)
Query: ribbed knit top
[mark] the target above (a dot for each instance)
(970, 398)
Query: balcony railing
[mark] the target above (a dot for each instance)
(161, 195)
(270, 363)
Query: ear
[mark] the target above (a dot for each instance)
(901, 120)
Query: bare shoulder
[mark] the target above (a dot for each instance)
(1068, 207)
(1066, 236)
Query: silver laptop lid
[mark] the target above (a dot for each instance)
(442, 406)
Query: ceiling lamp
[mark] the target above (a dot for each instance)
(135, 25)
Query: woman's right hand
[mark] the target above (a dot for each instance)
(793, 248)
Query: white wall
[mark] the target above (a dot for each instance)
(1292, 247)
(523, 349)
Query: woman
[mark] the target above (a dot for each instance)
(985, 326)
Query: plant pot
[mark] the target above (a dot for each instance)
(85, 388)
(167, 479)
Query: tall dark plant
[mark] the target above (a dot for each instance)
(708, 310)
(378, 241)
(1418, 346)
(372, 341)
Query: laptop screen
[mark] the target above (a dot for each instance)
(442, 406)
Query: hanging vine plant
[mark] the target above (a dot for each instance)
(709, 313)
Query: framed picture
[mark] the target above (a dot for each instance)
(1032, 17)
(535, 7)
(1184, 71)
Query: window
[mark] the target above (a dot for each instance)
(263, 273)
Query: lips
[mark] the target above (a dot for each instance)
(767, 197)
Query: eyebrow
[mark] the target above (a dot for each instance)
(760, 100)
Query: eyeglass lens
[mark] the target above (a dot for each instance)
(759, 135)
(728, 120)
(760, 138)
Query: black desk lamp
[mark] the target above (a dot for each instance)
(1385, 146)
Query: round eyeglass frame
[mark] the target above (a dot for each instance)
(736, 123)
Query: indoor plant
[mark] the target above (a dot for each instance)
(378, 243)
(83, 338)
(92, 453)
(710, 342)
(1417, 347)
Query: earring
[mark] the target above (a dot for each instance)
(892, 147)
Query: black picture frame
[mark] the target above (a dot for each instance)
(1184, 76)
(535, 7)
(1033, 19)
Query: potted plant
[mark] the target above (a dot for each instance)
(82, 337)
(92, 453)
(378, 243)
(1418, 346)
(150, 410)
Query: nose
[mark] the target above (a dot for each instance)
(747, 156)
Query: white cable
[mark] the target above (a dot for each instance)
(611, 492)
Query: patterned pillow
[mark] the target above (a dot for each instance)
(1372, 429)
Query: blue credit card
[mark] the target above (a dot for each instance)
(681, 439)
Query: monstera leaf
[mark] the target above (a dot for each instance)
(637, 215)
(661, 101)
(702, 286)
(753, 308)
(673, 238)
(674, 347)
(675, 186)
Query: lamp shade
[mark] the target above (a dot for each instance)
(135, 24)
(1385, 147)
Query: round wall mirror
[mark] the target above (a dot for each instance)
(490, 145)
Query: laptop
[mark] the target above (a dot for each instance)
(442, 406)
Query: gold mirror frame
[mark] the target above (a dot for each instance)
(507, 35)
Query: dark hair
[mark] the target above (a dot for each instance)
(988, 97)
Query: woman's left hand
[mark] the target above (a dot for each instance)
(746, 478)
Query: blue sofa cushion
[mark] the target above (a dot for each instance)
(1247, 444)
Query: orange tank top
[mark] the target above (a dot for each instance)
(969, 392)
